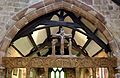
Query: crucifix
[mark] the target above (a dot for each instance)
(62, 36)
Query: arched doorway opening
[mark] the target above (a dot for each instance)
(65, 40)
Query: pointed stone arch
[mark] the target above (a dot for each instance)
(46, 6)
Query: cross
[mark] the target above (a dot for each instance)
(62, 35)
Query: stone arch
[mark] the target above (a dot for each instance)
(46, 6)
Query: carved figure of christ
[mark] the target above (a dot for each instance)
(62, 36)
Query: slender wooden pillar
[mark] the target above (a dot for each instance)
(111, 72)
(9, 70)
(5, 72)
(27, 72)
(46, 72)
(70, 47)
(77, 72)
(94, 72)
(53, 47)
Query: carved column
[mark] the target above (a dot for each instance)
(77, 72)
(27, 72)
(111, 72)
(9, 71)
(62, 45)
(94, 72)
(46, 72)
(70, 46)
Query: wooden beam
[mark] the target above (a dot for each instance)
(73, 34)
(59, 23)
(32, 40)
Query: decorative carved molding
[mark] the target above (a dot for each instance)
(64, 62)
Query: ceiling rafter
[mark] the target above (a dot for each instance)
(33, 43)
(32, 40)
(47, 24)
(73, 34)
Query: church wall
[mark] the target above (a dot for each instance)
(8, 8)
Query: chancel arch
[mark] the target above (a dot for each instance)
(60, 34)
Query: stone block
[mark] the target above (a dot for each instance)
(113, 46)
(20, 15)
(37, 5)
(97, 2)
(77, 3)
(30, 10)
(6, 42)
(12, 32)
(86, 7)
(58, 5)
(90, 17)
(31, 16)
(101, 18)
(41, 11)
(2, 53)
(25, 1)
(89, 2)
(58, 0)
(17, 9)
(70, 1)
(67, 6)
(101, 26)
(118, 61)
(1, 8)
(47, 2)
(49, 8)
(21, 23)
(108, 35)
(10, 23)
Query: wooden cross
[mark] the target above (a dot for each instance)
(62, 35)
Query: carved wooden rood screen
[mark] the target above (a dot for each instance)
(64, 58)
